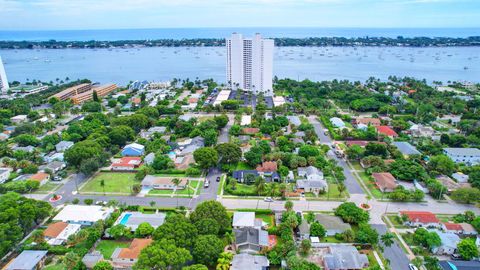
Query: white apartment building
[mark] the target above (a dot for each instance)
(3, 78)
(469, 156)
(250, 63)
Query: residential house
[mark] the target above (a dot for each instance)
(125, 258)
(63, 146)
(449, 243)
(183, 162)
(250, 131)
(460, 177)
(360, 143)
(367, 121)
(244, 261)
(268, 170)
(452, 227)
(4, 175)
(157, 182)
(385, 181)
(450, 184)
(421, 219)
(189, 146)
(133, 219)
(242, 177)
(386, 131)
(337, 122)
(28, 149)
(469, 156)
(148, 159)
(313, 181)
(147, 134)
(91, 259)
(40, 177)
(468, 229)
(83, 214)
(126, 164)
(406, 148)
(54, 156)
(332, 224)
(28, 260)
(294, 120)
(54, 166)
(250, 239)
(133, 150)
(340, 257)
(57, 233)
(304, 230)
(459, 265)
(19, 119)
(246, 219)
(419, 130)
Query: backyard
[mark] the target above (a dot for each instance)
(113, 182)
(47, 188)
(107, 247)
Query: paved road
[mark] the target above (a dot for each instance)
(351, 183)
(395, 254)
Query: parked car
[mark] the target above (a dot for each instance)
(206, 184)
(218, 179)
(456, 257)
(57, 178)
(412, 267)
(268, 199)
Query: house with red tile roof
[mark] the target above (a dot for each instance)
(127, 257)
(452, 227)
(126, 164)
(385, 181)
(40, 177)
(421, 219)
(250, 131)
(57, 233)
(367, 121)
(387, 131)
(361, 143)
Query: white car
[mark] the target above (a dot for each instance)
(412, 267)
(268, 199)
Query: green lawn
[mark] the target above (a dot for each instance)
(371, 186)
(330, 239)
(356, 165)
(243, 166)
(222, 182)
(184, 192)
(114, 182)
(266, 218)
(107, 247)
(58, 266)
(396, 221)
(244, 188)
(49, 186)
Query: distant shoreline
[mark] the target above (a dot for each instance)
(279, 42)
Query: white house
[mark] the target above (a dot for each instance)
(57, 233)
(337, 122)
(469, 156)
(19, 119)
(63, 146)
(460, 177)
(83, 214)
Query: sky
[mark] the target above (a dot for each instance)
(116, 14)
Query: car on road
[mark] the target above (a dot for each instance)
(268, 199)
(57, 178)
(206, 184)
(456, 257)
(101, 203)
(412, 267)
(218, 178)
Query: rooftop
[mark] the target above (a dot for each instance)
(462, 151)
(243, 219)
(54, 229)
(27, 260)
(420, 216)
(386, 130)
(385, 180)
(406, 148)
(86, 213)
(133, 250)
(248, 261)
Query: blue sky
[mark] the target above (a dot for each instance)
(108, 14)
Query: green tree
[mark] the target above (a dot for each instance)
(308, 151)
(228, 153)
(466, 195)
(467, 249)
(207, 226)
(210, 136)
(352, 214)
(254, 156)
(427, 239)
(213, 210)
(224, 261)
(119, 231)
(207, 249)
(407, 170)
(143, 230)
(366, 234)
(305, 247)
(288, 205)
(162, 255)
(317, 229)
(26, 140)
(206, 157)
(441, 164)
(195, 267)
(221, 120)
(387, 239)
(103, 265)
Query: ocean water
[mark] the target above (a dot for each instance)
(316, 63)
(186, 33)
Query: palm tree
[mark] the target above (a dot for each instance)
(176, 182)
(341, 188)
(102, 184)
(387, 239)
(152, 203)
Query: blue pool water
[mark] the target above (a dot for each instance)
(125, 219)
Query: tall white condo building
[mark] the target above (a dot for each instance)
(3, 77)
(250, 63)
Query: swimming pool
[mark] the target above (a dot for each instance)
(125, 219)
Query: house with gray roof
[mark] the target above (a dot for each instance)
(191, 145)
(313, 180)
(469, 156)
(250, 239)
(337, 122)
(332, 224)
(133, 219)
(90, 259)
(55, 166)
(63, 146)
(449, 243)
(341, 257)
(28, 260)
(28, 149)
(244, 261)
(294, 120)
(406, 148)
(304, 230)
(148, 159)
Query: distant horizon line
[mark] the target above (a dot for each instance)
(237, 27)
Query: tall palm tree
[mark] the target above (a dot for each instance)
(102, 184)
(176, 182)
(387, 239)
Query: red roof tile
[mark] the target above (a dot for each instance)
(420, 216)
(453, 226)
(130, 162)
(386, 130)
(267, 166)
(385, 180)
(251, 130)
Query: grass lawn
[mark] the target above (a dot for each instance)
(356, 165)
(114, 182)
(58, 266)
(371, 259)
(222, 182)
(47, 188)
(243, 166)
(107, 247)
(396, 221)
(193, 184)
(244, 188)
(266, 218)
(371, 186)
(330, 239)
(160, 191)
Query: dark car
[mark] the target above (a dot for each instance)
(218, 179)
